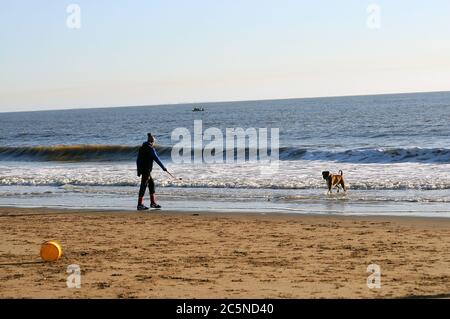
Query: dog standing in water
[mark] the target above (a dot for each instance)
(334, 180)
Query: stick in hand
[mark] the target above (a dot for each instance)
(174, 176)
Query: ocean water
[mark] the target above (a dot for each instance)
(394, 151)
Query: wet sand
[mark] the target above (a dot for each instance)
(210, 255)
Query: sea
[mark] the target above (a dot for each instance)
(394, 151)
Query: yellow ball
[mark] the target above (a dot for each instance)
(51, 251)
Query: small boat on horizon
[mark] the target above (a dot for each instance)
(198, 109)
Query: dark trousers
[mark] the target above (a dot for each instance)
(146, 180)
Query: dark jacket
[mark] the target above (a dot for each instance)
(146, 156)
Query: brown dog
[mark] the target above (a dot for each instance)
(334, 180)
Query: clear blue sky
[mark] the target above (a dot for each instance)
(153, 52)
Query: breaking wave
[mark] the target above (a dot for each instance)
(115, 153)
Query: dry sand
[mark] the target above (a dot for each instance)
(179, 255)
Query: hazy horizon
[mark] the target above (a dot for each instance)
(156, 53)
(200, 103)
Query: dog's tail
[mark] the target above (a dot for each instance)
(341, 172)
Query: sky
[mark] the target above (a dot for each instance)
(150, 52)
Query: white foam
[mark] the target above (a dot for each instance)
(290, 175)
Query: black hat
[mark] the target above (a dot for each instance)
(149, 134)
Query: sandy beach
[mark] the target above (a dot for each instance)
(184, 255)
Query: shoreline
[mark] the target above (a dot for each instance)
(173, 199)
(26, 210)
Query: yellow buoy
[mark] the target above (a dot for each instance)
(51, 251)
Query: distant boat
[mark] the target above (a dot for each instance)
(198, 109)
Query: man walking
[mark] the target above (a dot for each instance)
(147, 154)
